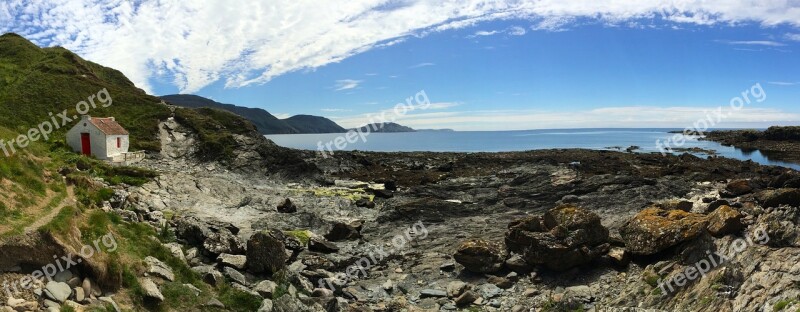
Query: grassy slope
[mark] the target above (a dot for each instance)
(34, 82)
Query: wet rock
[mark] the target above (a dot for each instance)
(725, 220)
(775, 198)
(565, 237)
(266, 252)
(158, 268)
(654, 229)
(738, 188)
(151, 290)
(238, 262)
(322, 245)
(480, 256)
(287, 206)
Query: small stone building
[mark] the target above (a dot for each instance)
(103, 138)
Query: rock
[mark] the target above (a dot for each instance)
(74, 282)
(266, 288)
(151, 290)
(79, 295)
(381, 193)
(467, 298)
(176, 250)
(775, 198)
(289, 304)
(266, 252)
(489, 291)
(158, 268)
(110, 301)
(581, 293)
(322, 245)
(194, 289)
(725, 220)
(27, 306)
(86, 285)
(447, 266)
(238, 262)
(74, 305)
(677, 204)
(480, 256)
(432, 293)
(214, 303)
(59, 292)
(63, 276)
(738, 187)
(456, 288)
(716, 204)
(234, 275)
(287, 207)
(654, 229)
(223, 242)
(322, 293)
(530, 292)
(366, 203)
(564, 237)
(619, 256)
(341, 231)
(501, 282)
(210, 275)
(266, 306)
(517, 264)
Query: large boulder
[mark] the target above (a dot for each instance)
(654, 229)
(480, 256)
(775, 198)
(213, 236)
(724, 220)
(564, 237)
(738, 187)
(266, 252)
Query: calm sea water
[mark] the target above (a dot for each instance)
(501, 141)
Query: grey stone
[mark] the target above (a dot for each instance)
(238, 262)
(234, 275)
(266, 306)
(151, 290)
(59, 292)
(427, 293)
(160, 269)
(266, 288)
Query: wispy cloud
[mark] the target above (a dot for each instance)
(792, 37)
(784, 83)
(511, 31)
(332, 110)
(767, 43)
(194, 44)
(420, 65)
(347, 84)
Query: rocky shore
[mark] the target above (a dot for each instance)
(779, 143)
(551, 230)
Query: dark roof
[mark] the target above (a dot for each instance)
(109, 126)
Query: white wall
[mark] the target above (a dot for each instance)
(103, 147)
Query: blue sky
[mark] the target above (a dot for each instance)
(647, 65)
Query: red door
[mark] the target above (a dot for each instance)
(86, 144)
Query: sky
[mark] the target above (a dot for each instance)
(483, 65)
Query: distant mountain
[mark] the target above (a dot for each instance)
(387, 127)
(264, 121)
(313, 124)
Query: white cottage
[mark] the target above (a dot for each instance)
(103, 138)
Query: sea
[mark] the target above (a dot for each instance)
(505, 141)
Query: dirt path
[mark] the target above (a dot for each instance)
(67, 201)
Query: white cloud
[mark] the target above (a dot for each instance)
(347, 84)
(331, 110)
(756, 42)
(197, 43)
(783, 83)
(517, 31)
(511, 31)
(421, 65)
(793, 37)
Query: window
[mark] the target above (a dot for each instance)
(119, 142)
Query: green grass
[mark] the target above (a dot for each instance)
(215, 130)
(304, 236)
(238, 301)
(781, 304)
